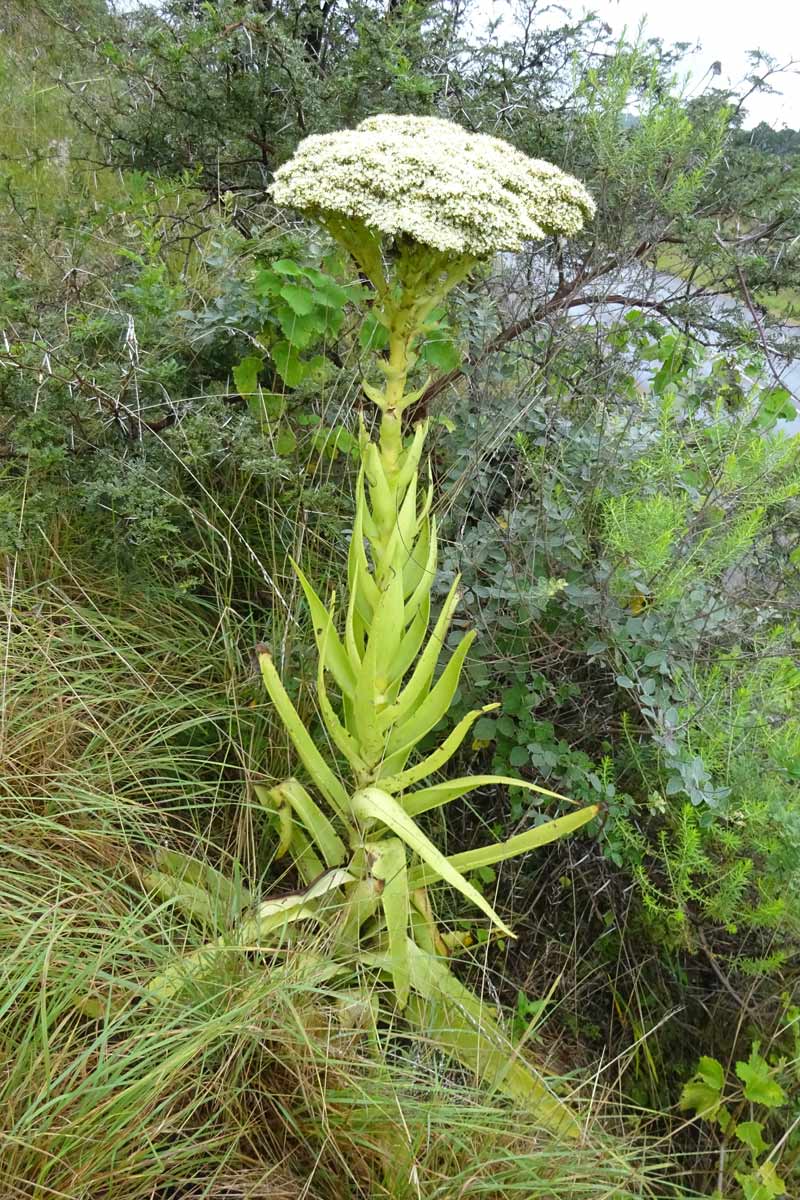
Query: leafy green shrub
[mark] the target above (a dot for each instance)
(632, 568)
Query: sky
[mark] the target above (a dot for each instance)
(726, 30)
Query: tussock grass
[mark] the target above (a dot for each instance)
(120, 727)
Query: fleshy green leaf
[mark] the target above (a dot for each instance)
(521, 843)
(371, 804)
(310, 815)
(322, 775)
(437, 758)
(438, 794)
(390, 867)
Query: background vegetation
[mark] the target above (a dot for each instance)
(616, 480)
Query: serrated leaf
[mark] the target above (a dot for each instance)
(703, 1093)
(288, 363)
(298, 331)
(285, 441)
(698, 1097)
(763, 1184)
(442, 353)
(711, 1072)
(759, 1086)
(329, 293)
(750, 1132)
(286, 266)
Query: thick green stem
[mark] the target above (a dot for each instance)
(402, 332)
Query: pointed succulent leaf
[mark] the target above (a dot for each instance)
(231, 895)
(427, 575)
(411, 640)
(417, 560)
(322, 775)
(436, 704)
(389, 866)
(292, 794)
(372, 804)
(438, 794)
(522, 843)
(381, 495)
(195, 902)
(386, 631)
(436, 760)
(335, 656)
(426, 664)
(342, 739)
(412, 455)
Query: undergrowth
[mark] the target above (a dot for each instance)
(117, 744)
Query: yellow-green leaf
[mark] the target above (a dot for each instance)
(437, 794)
(521, 843)
(389, 866)
(322, 775)
(372, 804)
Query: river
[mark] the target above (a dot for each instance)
(660, 287)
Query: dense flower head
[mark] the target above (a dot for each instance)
(434, 182)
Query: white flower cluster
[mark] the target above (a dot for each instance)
(432, 181)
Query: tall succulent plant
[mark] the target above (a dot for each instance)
(416, 202)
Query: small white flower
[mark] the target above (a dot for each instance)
(434, 182)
